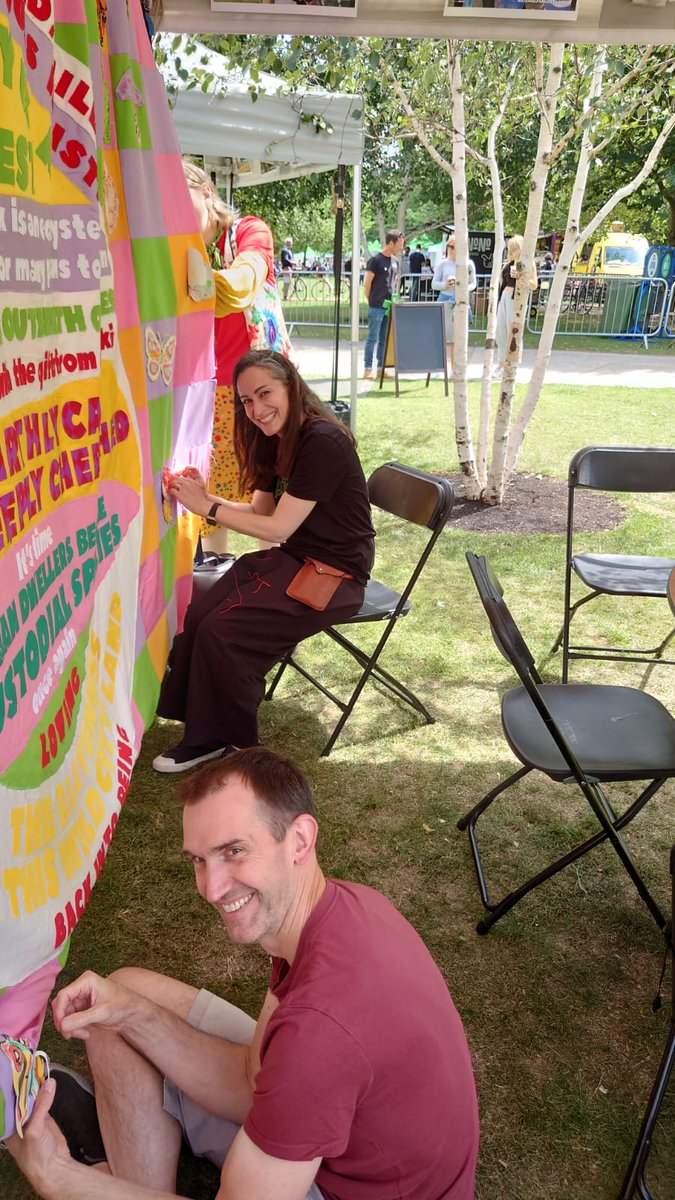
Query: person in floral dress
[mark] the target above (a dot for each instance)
(248, 317)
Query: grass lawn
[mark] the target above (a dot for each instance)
(557, 998)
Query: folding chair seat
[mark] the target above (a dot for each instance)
(635, 1183)
(424, 500)
(615, 469)
(588, 734)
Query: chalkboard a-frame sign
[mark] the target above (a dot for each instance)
(416, 340)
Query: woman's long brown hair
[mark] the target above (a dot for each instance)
(260, 457)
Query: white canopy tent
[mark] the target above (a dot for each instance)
(246, 141)
(274, 136)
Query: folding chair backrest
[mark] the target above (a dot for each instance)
(507, 636)
(411, 494)
(623, 469)
(510, 641)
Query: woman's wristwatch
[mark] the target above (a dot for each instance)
(211, 515)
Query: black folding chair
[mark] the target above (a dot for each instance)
(615, 469)
(635, 1183)
(413, 496)
(584, 733)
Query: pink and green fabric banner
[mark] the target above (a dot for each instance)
(106, 369)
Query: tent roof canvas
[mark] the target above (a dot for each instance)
(259, 140)
(610, 21)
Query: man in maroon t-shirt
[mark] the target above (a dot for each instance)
(354, 1084)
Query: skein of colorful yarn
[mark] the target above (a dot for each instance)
(23, 1070)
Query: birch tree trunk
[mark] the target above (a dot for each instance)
(404, 201)
(456, 169)
(576, 238)
(548, 98)
(463, 435)
(490, 161)
(571, 243)
(381, 226)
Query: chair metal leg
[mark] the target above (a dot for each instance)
(370, 670)
(468, 821)
(564, 635)
(611, 826)
(566, 624)
(370, 663)
(280, 670)
(608, 653)
(635, 1184)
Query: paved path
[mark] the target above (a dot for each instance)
(315, 360)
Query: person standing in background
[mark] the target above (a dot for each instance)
(507, 288)
(248, 317)
(443, 282)
(380, 283)
(426, 275)
(405, 272)
(416, 264)
(287, 265)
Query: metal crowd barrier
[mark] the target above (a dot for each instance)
(308, 300)
(592, 305)
(604, 306)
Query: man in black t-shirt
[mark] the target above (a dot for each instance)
(416, 264)
(382, 272)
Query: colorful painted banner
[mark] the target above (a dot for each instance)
(105, 377)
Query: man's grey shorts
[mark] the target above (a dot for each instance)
(208, 1136)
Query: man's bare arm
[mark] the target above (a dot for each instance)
(250, 1174)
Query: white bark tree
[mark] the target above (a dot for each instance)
(548, 90)
(490, 162)
(575, 236)
(480, 480)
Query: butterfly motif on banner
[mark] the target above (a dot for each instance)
(128, 90)
(159, 355)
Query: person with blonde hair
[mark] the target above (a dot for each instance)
(248, 317)
(511, 270)
(443, 282)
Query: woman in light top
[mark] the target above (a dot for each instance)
(443, 282)
(511, 271)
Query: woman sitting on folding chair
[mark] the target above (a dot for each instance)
(310, 497)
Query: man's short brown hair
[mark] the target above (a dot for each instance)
(392, 235)
(280, 787)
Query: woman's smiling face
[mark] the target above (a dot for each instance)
(265, 399)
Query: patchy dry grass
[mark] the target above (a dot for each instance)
(557, 999)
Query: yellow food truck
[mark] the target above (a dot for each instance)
(619, 254)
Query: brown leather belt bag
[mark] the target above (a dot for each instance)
(316, 583)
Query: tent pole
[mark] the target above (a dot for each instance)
(356, 287)
(337, 272)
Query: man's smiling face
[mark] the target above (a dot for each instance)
(240, 868)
